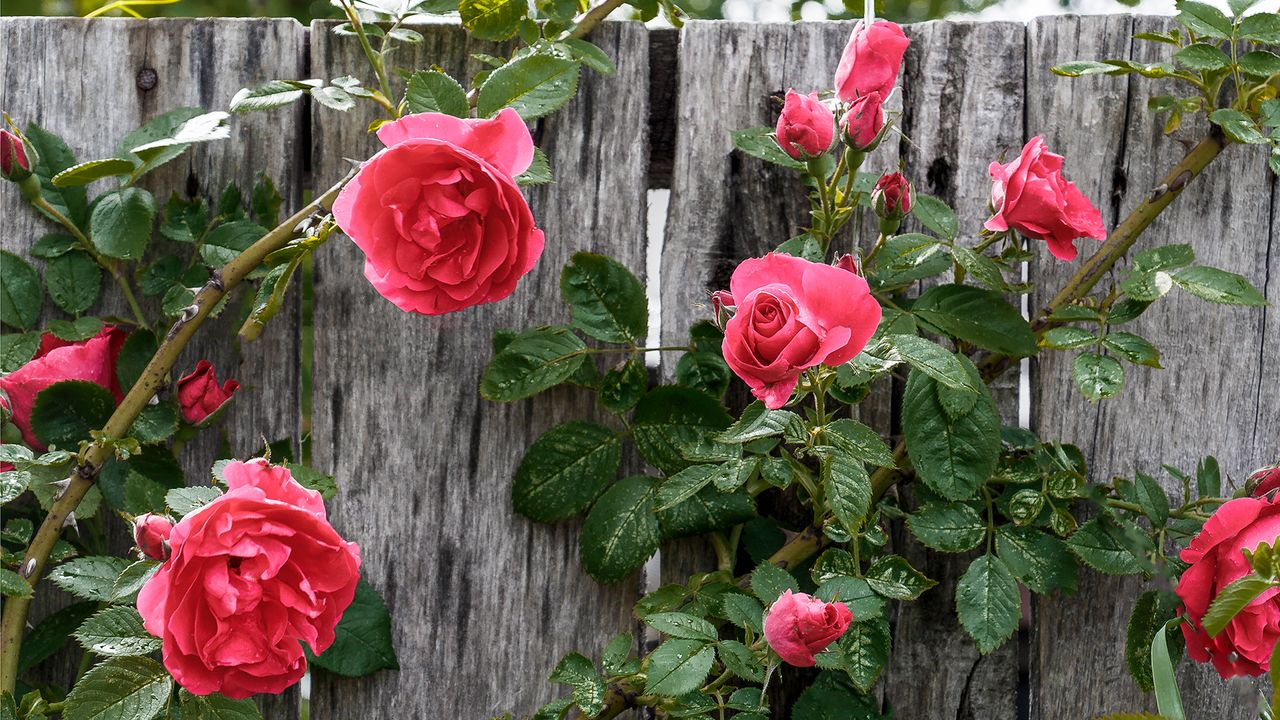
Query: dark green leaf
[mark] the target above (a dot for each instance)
(122, 688)
(532, 362)
(621, 531)
(949, 527)
(588, 687)
(988, 603)
(1204, 19)
(1133, 348)
(768, 582)
(362, 640)
(977, 316)
(66, 411)
(681, 625)
(1067, 338)
(848, 490)
(1099, 544)
(893, 577)
(20, 295)
(52, 245)
(1202, 56)
(121, 223)
(1040, 561)
(90, 578)
(709, 509)
(954, 457)
(1261, 27)
(1153, 609)
(535, 85)
(228, 240)
(760, 143)
(678, 666)
(741, 661)
(1098, 376)
(935, 215)
(55, 157)
(670, 418)
(1231, 599)
(434, 91)
(1218, 286)
(52, 633)
(217, 707)
(117, 631)
(565, 470)
(706, 371)
(492, 19)
(607, 302)
(858, 441)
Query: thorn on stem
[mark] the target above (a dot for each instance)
(28, 567)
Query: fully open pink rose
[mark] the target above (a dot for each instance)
(1031, 196)
(806, 127)
(793, 314)
(93, 360)
(251, 575)
(799, 626)
(438, 214)
(1215, 558)
(871, 60)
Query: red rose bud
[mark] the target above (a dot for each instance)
(15, 164)
(891, 200)
(871, 60)
(1263, 482)
(806, 127)
(151, 535)
(722, 306)
(846, 262)
(862, 123)
(799, 626)
(200, 396)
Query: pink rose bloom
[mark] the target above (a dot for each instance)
(799, 626)
(806, 127)
(863, 121)
(1264, 481)
(93, 360)
(871, 60)
(1031, 196)
(199, 394)
(793, 314)
(1244, 646)
(438, 214)
(151, 535)
(252, 575)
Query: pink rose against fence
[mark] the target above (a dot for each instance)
(799, 626)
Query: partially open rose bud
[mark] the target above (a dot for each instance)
(892, 196)
(846, 262)
(151, 535)
(862, 123)
(799, 626)
(722, 306)
(15, 163)
(200, 395)
(806, 127)
(1263, 481)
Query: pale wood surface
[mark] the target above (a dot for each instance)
(79, 79)
(483, 602)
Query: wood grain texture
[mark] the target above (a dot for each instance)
(1217, 393)
(79, 79)
(963, 106)
(483, 602)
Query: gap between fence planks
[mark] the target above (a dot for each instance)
(484, 602)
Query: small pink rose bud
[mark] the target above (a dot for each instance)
(846, 262)
(799, 626)
(892, 197)
(1262, 482)
(806, 127)
(722, 306)
(862, 123)
(200, 395)
(15, 164)
(151, 535)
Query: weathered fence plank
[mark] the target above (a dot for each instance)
(1216, 395)
(483, 602)
(91, 82)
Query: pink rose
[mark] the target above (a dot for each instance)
(862, 122)
(93, 360)
(892, 196)
(252, 575)
(438, 214)
(871, 60)
(1031, 196)
(799, 626)
(151, 535)
(1264, 481)
(200, 395)
(14, 164)
(793, 314)
(1215, 558)
(806, 127)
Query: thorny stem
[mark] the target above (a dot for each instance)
(375, 60)
(98, 452)
(594, 17)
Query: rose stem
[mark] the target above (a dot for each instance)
(98, 452)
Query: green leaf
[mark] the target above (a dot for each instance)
(935, 215)
(1208, 477)
(12, 484)
(66, 411)
(949, 527)
(122, 688)
(684, 485)
(55, 157)
(977, 316)
(87, 172)
(760, 143)
(189, 499)
(606, 301)
(621, 531)
(16, 349)
(156, 423)
(492, 19)
(706, 371)
(710, 509)
(1098, 376)
(134, 355)
(848, 490)
(1261, 27)
(893, 577)
(1202, 56)
(621, 388)
(126, 587)
(670, 418)
(121, 223)
(589, 55)
(565, 470)
(681, 625)
(616, 653)
(532, 362)
(1239, 6)
(863, 650)
(980, 267)
(1219, 286)
(743, 611)
(588, 687)
(954, 457)
(935, 361)
(117, 631)
(1153, 609)
(217, 707)
(51, 634)
(1260, 64)
(20, 295)
(1098, 543)
(1067, 338)
(538, 172)
(1238, 126)
(741, 661)
(1040, 561)
(167, 136)
(1080, 68)
(362, 640)
(1231, 600)
(768, 582)
(228, 240)
(758, 422)
(1152, 499)
(434, 91)
(910, 257)
(858, 441)
(833, 697)
(535, 85)
(90, 578)
(13, 585)
(1168, 700)
(334, 98)
(1204, 19)
(856, 593)
(678, 666)
(269, 95)
(988, 603)
(75, 330)
(1133, 348)
(265, 202)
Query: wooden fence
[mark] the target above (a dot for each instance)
(484, 601)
